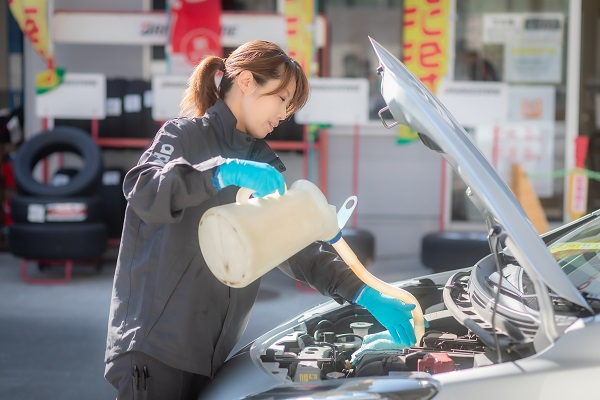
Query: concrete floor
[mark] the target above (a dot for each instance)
(52, 337)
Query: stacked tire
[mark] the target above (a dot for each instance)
(62, 219)
(444, 251)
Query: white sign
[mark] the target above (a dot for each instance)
(474, 103)
(502, 28)
(79, 96)
(167, 93)
(95, 27)
(342, 101)
(499, 28)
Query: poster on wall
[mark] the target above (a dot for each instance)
(532, 44)
(511, 124)
(527, 143)
(531, 103)
(533, 62)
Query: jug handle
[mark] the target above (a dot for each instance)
(243, 194)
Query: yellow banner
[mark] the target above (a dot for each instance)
(32, 17)
(299, 17)
(425, 46)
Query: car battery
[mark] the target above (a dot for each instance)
(434, 363)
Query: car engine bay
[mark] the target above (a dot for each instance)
(459, 336)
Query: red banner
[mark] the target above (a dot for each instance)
(195, 32)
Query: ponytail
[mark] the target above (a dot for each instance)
(202, 91)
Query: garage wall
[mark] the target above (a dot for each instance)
(398, 189)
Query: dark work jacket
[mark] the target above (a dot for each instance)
(165, 301)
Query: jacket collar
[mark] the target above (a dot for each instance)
(239, 140)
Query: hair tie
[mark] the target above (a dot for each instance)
(223, 66)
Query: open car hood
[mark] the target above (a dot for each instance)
(412, 104)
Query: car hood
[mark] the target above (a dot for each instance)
(412, 104)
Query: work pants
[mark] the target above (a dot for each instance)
(138, 376)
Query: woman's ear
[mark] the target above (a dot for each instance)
(245, 81)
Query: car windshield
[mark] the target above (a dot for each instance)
(578, 254)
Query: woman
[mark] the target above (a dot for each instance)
(172, 323)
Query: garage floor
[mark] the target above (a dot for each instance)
(52, 336)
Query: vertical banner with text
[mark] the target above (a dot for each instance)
(300, 28)
(300, 17)
(425, 45)
(195, 32)
(32, 18)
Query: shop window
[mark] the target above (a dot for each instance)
(351, 22)
(523, 46)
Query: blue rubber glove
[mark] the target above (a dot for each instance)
(261, 177)
(393, 314)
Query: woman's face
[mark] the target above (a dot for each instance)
(262, 112)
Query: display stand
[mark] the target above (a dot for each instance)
(64, 102)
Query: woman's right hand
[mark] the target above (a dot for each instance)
(260, 177)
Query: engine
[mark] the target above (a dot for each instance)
(329, 351)
(331, 346)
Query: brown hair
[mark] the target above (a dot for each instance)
(264, 59)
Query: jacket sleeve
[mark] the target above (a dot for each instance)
(320, 267)
(164, 183)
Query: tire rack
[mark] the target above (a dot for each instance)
(68, 263)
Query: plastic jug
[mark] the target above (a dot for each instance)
(242, 241)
